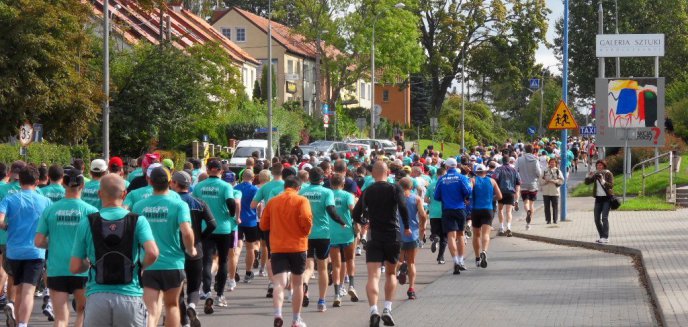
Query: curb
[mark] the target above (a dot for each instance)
(635, 254)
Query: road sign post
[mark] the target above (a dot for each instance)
(534, 83)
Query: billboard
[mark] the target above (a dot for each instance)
(630, 109)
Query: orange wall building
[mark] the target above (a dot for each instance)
(395, 100)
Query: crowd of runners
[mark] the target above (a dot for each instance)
(163, 243)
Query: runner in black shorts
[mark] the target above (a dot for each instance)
(485, 191)
(381, 202)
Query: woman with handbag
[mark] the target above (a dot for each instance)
(551, 180)
(603, 192)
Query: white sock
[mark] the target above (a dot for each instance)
(388, 305)
(501, 226)
(508, 226)
(47, 292)
(373, 309)
(456, 259)
(278, 312)
(460, 260)
(21, 324)
(192, 305)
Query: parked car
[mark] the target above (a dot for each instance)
(355, 147)
(244, 150)
(387, 146)
(325, 148)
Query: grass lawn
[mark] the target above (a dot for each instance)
(647, 203)
(654, 185)
(450, 149)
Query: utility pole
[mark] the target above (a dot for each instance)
(600, 61)
(463, 101)
(565, 97)
(269, 152)
(318, 86)
(542, 103)
(372, 84)
(106, 80)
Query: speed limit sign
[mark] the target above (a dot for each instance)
(25, 134)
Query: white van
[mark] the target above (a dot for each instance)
(245, 149)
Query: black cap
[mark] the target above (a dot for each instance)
(159, 176)
(73, 178)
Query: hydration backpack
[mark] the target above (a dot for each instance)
(113, 241)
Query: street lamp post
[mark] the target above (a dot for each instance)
(106, 79)
(269, 72)
(372, 73)
(565, 96)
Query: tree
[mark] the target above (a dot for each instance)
(346, 47)
(481, 126)
(264, 83)
(257, 94)
(642, 16)
(451, 30)
(166, 98)
(45, 70)
(420, 98)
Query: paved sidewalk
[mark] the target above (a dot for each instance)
(660, 236)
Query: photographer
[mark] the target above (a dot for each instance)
(602, 190)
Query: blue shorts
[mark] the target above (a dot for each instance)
(453, 220)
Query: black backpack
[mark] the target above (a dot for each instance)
(113, 241)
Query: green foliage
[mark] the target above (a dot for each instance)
(264, 83)
(481, 125)
(678, 113)
(251, 115)
(257, 94)
(635, 17)
(346, 48)
(45, 74)
(44, 153)
(647, 203)
(178, 157)
(452, 31)
(166, 98)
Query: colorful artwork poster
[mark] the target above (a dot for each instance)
(632, 103)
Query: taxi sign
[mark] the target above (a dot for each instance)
(562, 118)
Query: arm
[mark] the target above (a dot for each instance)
(237, 218)
(257, 198)
(210, 223)
(305, 218)
(40, 241)
(188, 238)
(590, 178)
(497, 192)
(422, 215)
(3, 224)
(401, 207)
(264, 223)
(332, 211)
(231, 206)
(357, 214)
(78, 265)
(151, 254)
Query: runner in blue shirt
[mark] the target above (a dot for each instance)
(248, 229)
(19, 215)
(485, 191)
(410, 244)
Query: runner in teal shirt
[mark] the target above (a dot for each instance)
(342, 239)
(143, 193)
(138, 172)
(344, 203)
(215, 192)
(265, 192)
(54, 192)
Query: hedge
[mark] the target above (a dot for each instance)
(178, 157)
(45, 153)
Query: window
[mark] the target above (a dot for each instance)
(363, 90)
(240, 34)
(244, 74)
(227, 32)
(385, 96)
(290, 66)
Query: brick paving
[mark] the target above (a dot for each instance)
(660, 236)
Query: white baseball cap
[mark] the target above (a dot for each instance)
(451, 162)
(306, 157)
(480, 168)
(151, 167)
(99, 166)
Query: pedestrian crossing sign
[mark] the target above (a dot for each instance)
(562, 118)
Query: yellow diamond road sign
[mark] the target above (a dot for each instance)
(562, 118)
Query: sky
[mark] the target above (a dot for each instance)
(543, 55)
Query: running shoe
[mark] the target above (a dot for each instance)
(337, 301)
(322, 305)
(411, 293)
(469, 232)
(374, 320)
(249, 277)
(528, 216)
(342, 291)
(205, 296)
(462, 267)
(221, 301)
(298, 323)
(440, 261)
(231, 285)
(359, 251)
(11, 319)
(477, 262)
(604, 240)
(364, 242)
(508, 233)
(527, 226)
(278, 322)
(483, 259)
(387, 317)
(237, 278)
(270, 290)
(263, 273)
(346, 279)
(306, 300)
(403, 271)
(457, 270)
(193, 317)
(48, 312)
(433, 246)
(352, 294)
(39, 293)
(208, 306)
(501, 231)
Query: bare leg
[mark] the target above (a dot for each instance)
(372, 288)
(297, 295)
(451, 243)
(335, 258)
(25, 304)
(150, 298)
(80, 296)
(484, 237)
(171, 300)
(60, 307)
(460, 243)
(411, 262)
(390, 281)
(250, 255)
(279, 281)
(322, 278)
(477, 238)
